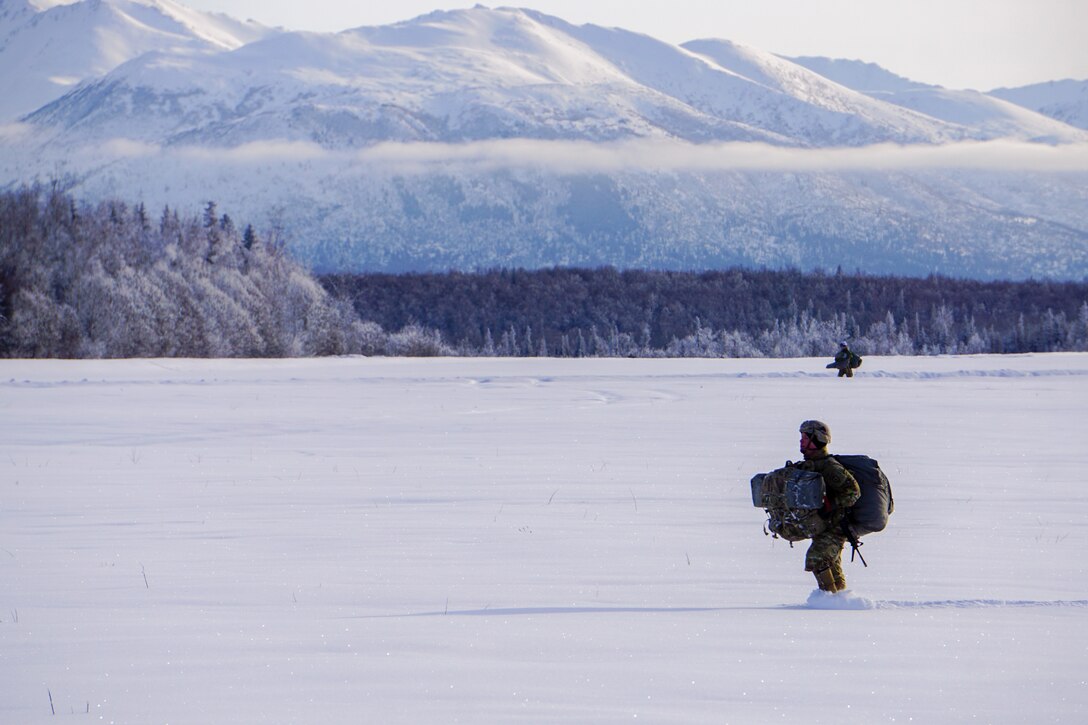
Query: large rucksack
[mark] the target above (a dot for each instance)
(870, 514)
(793, 497)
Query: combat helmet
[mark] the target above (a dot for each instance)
(818, 431)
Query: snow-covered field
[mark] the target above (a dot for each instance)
(549, 541)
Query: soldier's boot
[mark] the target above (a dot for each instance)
(825, 579)
(840, 578)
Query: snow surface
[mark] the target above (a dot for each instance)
(494, 541)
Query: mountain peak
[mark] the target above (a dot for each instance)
(753, 64)
(858, 75)
(49, 47)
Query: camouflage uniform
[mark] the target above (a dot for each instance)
(842, 362)
(824, 556)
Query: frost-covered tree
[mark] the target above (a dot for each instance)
(101, 281)
(79, 280)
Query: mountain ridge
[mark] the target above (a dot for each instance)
(999, 113)
(479, 137)
(450, 71)
(46, 52)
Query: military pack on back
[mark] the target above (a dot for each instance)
(870, 514)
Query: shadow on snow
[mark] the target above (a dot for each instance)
(875, 604)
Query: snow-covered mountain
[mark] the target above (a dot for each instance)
(470, 75)
(1065, 100)
(482, 137)
(984, 114)
(46, 49)
(481, 74)
(858, 75)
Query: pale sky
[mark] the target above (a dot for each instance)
(980, 44)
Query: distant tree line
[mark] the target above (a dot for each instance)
(112, 280)
(732, 313)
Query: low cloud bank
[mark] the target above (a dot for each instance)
(572, 157)
(674, 156)
(259, 152)
(11, 133)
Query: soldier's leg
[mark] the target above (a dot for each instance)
(825, 580)
(824, 560)
(839, 575)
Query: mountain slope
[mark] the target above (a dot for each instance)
(858, 75)
(1066, 100)
(985, 115)
(45, 54)
(474, 74)
(860, 111)
(14, 13)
